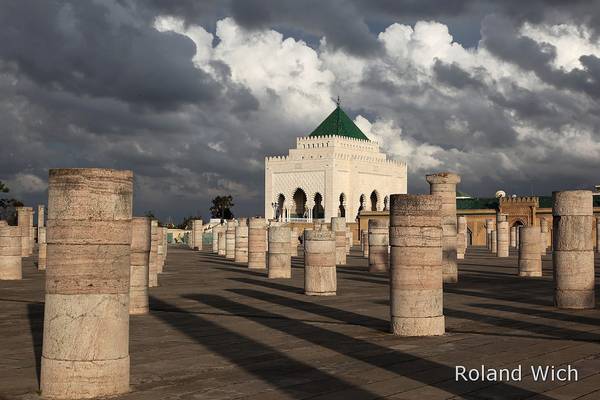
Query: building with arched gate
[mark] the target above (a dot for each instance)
(335, 171)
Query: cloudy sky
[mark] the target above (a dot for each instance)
(192, 95)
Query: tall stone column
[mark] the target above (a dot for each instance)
(230, 240)
(160, 250)
(198, 233)
(513, 236)
(444, 184)
(573, 254)
(222, 243)
(416, 294)
(494, 241)
(502, 235)
(294, 242)
(153, 261)
(257, 246)
(215, 238)
(40, 219)
(165, 238)
(598, 235)
(279, 261)
(320, 263)
(378, 245)
(366, 243)
(141, 241)
(23, 217)
(543, 237)
(10, 252)
(489, 227)
(461, 237)
(530, 260)
(85, 349)
(42, 247)
(338, 226)
(241, 242)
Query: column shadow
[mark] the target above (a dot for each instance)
(35, 314)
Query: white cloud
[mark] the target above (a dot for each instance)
(24, 183)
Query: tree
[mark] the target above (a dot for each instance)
(221, 207)
(8, 206)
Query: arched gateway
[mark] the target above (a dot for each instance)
(332, 172)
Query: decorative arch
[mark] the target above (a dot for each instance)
(299, 198)
(342, 206)
(386, 204)
(279, 206)
(318, 211)
(374, 199)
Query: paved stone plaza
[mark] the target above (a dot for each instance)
(217, 330)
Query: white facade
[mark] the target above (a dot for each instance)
(345, 173)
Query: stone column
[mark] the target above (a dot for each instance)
(230, 240)
(257, 246)
(160, 250)
(513, 236)
(241, 242)
(85, 349)
(42, 246)
(338, 226)
(348, 241)
(416, 295)
(279, 261)
(530, 260)
(215, 238)
(320, 263)
(294, 242)
(573, 254)
(153, 261)
(461, 237)
(222, 243)
(543, 238)
(366, 243)
(489, 227)
(40, 219)
(444, 184)
(198, 231)
(378, 245)
(502, 235)
(10, 252)
(598, 235)
(23, 223)
(494, 241)
(141, 240)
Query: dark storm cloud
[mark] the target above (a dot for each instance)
(454, 75)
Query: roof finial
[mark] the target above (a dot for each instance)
(338, 101)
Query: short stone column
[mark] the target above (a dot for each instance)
(222, 243)
(279, 261)
(41, 210)
(42, 247)
(320, 263)
(513, 237)
(443, 184)
(416, 295)
(338, 226)
(141, 241)
(241, 242)
(215, 238)
(294, 242)
(10, 252)
(543, 236)
(160, 258)
(23, 217)
(348, 241)
(257, 243)
(572, 249)
(494, 241)
(365, 239)
(230, 240)
(530, 260)
(598, 235)
(153, 261)
(197, 231)
(489, 227)
(165, 239)
(502, 235)
(461, 237)
(85, 349)
(378, 245)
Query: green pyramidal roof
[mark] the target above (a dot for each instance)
(338, 124)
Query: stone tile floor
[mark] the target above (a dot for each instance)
(220, 331)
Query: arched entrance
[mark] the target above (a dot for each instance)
(318, 212)
(342, 207)
(279, 206)
(299, 204)
(374, 199)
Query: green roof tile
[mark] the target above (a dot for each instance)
(338, 124)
